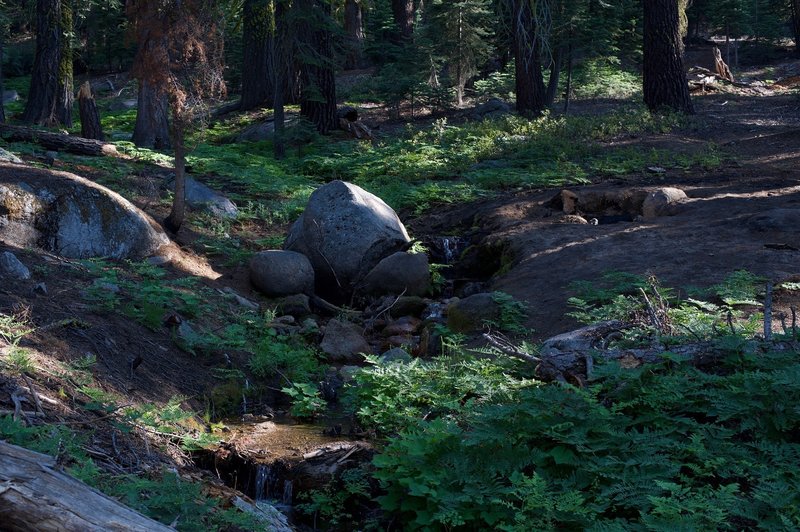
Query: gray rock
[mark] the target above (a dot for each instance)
(494, 108)
(123, 105)
(663, 202)
(399, 273)
(9, 157)
(408, 306)
(469, 314)
(241, 300)
(396, 354)
(199, 197)
(72, 216)
(257, 132)
(281, 273)
(297, 305)
(10, 96)
(11, 267)
(345, 231)
(344, 342)
(776, 220)
(582, 339)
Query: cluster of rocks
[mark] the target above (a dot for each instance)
(350, 247)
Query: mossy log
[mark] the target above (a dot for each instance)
(57, 141)
(36, 495)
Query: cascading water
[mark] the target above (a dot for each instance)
(451, 248)
(287, 492)
(263, 474)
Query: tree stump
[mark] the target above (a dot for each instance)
(90, 118)
(721, 68)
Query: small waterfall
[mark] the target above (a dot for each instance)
(451, 248)
(433, 312)
(287, 492)
(244, 396)
(263, 474)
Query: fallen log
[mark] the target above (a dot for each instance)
(35, 495)
(57, 141)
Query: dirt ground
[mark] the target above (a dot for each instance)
(715, 233)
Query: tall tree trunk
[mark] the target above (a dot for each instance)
(403, 11)
(664, 79)
(2, 90)
(318, 103)
(65, 83)
(528, 81)
(796, 26)
(354, 29)
(279, 71)
(43, 94)
(174, 221)
(256, 79)
(555, 75)
(152, 117)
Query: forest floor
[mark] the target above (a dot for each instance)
(715, 233)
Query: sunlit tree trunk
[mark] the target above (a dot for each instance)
(152, 117)
(664, 79)
(43, 94)
(65, 84)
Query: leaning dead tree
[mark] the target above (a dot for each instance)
(721, 67)
(36, 495)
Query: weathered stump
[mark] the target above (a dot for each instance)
(90, 118)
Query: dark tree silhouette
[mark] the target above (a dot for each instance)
(43, 94)
(664, 79)
(256, 49)
(528, 82)
(354, 30)
(403, 11)
(65, 97)
(318, 102)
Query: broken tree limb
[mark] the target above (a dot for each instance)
(35, 495)
(57, 141)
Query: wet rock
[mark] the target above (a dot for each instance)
(779, 220)
(494, 108)
(396, 354)
(402, 326)
(200, 197)
(663, 202)
(310, 326)
(9, 157)
(72, 216)
(345, 232)
(469, 314)
(344, 342)
(281, 273)
(408, 306)
(12, 268)
(399, 273)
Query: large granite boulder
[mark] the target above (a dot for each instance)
(345, 232)
(72, 216)
(399, 273)
(200, 197)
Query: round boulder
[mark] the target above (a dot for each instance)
(344, 342)
(469, 314)
(72, 216)
(663, 202)
(345, 232)
(281, 273)
(399, 273)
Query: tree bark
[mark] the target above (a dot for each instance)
(35, 495)
(65, 84)
(279, 71)
(40, 108)
(174, 221)
(152, 117)
(354, 29)
(555, 74)
(256, 47)
(2, 90)
(796, 25)
(529, 84)
(318, 103)
(90, 118)
(57, 141)
(403, 11)
(664, 79)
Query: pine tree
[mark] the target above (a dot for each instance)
(664, 80)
